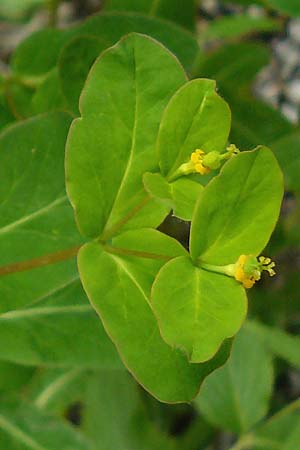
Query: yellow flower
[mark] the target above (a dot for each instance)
(197, 160)
(248, 269)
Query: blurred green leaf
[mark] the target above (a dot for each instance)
(75, 61)
(22, 426)
(49, 95)
(236, 396)
(236, 26)
(169, 9)
(13, 377)
(254, 122)
(280, 343)
(232, 62)
(57, 330)
(280, 432)
(286, 149)
(290, 7)
(35, 216)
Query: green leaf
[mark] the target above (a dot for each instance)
(254, 122)
(106, 159)
(119, 288)
(169, 9)
(237, 211)
(236, 26)
(290, 7)
(112, 26)
(55, 390)
(286, 150)
(185, 193)
(75, 61)
(180, 195)
(111, 399)
(189, 122)
(278, 342)
(231, 62)
(281, 431)
(35, 216)
(38, 54)
(196, 310)
(49, 95)
(22, 426)
(30, 59)
(58, 330)
(13, 377)
(157, 187)
(232, 398)
(115, 418)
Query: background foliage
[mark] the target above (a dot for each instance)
(61, 389)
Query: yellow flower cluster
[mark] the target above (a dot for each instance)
(197, 160)
(248, 269)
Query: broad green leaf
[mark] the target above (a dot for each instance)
(278, 342)
(236, 26)
(35, 216)
(238, 210)
(57, 330)
(75, 61)
(287, 151)
(106, 158)
(22, 426)
(290, 7)
(232, 398)
(196, 117)
(169, 9)
(196, 310)
(119, 288)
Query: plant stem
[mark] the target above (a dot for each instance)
(45, 260)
